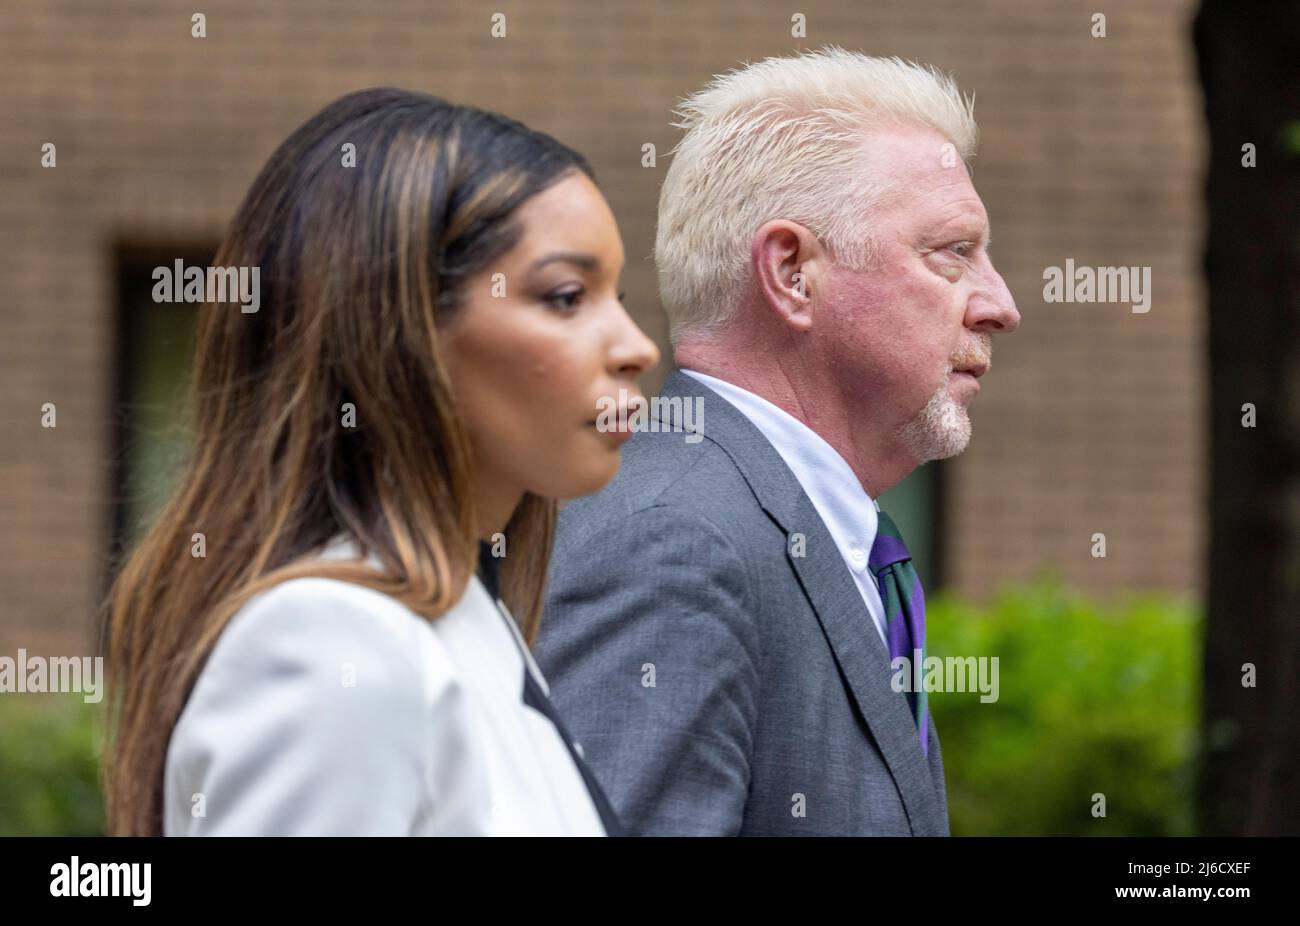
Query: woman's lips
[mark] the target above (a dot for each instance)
(616, 434)
(620, 417)
(618, 425)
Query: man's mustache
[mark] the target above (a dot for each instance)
(979, 350)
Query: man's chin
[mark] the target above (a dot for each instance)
(938, 433)
(954, 446)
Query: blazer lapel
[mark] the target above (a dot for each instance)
(859, 652)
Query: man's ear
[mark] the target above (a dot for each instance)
(783, 254)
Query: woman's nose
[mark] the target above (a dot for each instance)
(633, 352)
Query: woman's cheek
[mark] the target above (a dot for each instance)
(567, 373)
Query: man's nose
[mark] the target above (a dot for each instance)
(991, 307)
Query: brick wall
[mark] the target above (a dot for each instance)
(1090, 150)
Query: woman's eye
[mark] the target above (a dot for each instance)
(565, 300)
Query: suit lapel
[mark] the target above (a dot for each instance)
(859, 652)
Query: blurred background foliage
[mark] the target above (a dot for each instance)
(1093, 698)
(50, 747)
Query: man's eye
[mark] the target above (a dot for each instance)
(961, 248)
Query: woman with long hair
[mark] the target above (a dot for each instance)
(314, 636)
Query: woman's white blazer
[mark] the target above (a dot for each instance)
(329, 708)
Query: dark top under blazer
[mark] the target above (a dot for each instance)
(720, 684)
(532, 694)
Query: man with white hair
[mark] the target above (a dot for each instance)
(725, 619)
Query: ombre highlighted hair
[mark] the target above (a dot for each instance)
(360, 266)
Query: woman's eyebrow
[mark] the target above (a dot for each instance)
(585, 261)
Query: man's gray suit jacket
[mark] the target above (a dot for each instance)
(717, 681)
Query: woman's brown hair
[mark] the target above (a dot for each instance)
(359, 265)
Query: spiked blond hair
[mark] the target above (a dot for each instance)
(783, 138)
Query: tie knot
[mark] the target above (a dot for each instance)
(888, 548)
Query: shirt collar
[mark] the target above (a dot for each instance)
(850, 514)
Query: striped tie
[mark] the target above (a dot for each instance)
(900, 590)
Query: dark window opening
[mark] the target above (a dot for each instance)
(154, 359)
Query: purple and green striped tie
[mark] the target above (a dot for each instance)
(900, 591)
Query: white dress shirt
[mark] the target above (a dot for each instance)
(329, 708)
(846, 509)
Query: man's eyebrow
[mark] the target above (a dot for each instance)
(585, 261)
(984, 237)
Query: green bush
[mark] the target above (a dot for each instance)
(1093, 699)
(50, 748)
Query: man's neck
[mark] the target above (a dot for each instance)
(878, 465)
